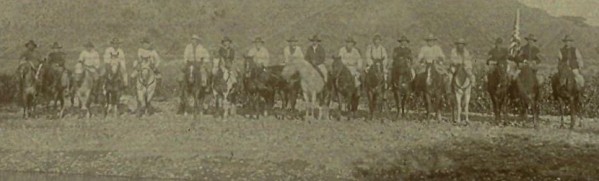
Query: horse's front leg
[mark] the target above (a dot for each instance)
(467, 105)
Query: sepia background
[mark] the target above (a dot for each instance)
(164, 146)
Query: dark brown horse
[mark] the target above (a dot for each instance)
(498, 87)
(401, 84)
(28, 89)
(112, 86)
(258, 87)
(342, 86)
(567, 93)
(432, 86)
(528, 91)
(374, 85)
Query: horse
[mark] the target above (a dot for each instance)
(374, 85)
(342, 85)
(193, 85)
(527, 91)
(28, 89)
(84, 88)
(431, 85)
(461, 87)
(567, 93)
(112, 86)
(55, 83)
(257, 86)
(498, 87)
(223, 83)
(401, 81)
(146, 85)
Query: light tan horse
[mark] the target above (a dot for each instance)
(146, 84)
(461, 87)
(311, 83)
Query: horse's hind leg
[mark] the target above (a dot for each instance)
(573, 114)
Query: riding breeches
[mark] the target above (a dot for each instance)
(578, 77)
(355, 72)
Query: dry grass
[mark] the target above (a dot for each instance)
(171, 146)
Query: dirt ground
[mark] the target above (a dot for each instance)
(166, 145)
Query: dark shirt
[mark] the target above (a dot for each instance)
(530, 53)
(402, 54)
(57, 58)
(315, 56)
(30, 55)
(499, 55)
(228, 55)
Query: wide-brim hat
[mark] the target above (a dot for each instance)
(31, 43)
(258, 40)
(430, 37)
(460, 41)
(115, 41)
(531, 37)
(315, 38)
(55, 45)
(350, 39)
(88, 45)
(403, 39)
(226, 39)
(499, 40)
(377, 37)
(567, 38)
(196, 37)
(292, 39)
(145, 40)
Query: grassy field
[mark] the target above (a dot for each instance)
(166, 145)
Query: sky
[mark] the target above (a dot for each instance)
(583, 8)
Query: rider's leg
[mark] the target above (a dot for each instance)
(578, 77)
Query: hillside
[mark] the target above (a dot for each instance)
(170, 23)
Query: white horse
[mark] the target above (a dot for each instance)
(311, 83)
(461, 86)
(222, 85)
(146, 85)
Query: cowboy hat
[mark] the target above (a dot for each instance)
(377, 37)
(461, 41)
(226, 39)
(258, 39)
(292, 39)
(145, 40)
(430, 37)
(403, 38)
(499, 40)
(195, 37)
(567, 38)
(55, 45)
(315, 38)
(531, 37)
(31, 43)
(350, 39)
(115, 41)
(88, 45)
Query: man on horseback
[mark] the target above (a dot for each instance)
(497, 57)
(292, 54)
(226, 52)
(196, 55)
(29, 58)
(315, 54)
(402, 53)
(570, 56)
(376, 55)
(114, 56)
(351, 58)
(259, 53)
(460, 56)
(430, 54)
(56, 58)
(529, 54)
(147, 58)
(89, 60)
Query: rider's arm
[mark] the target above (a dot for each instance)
(122, 60)
(156, 58)
(81, 57)
(440, 54)
(286, 54)
(187, 54)
(368, 56)
(579, 59)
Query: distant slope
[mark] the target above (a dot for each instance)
(170, 23)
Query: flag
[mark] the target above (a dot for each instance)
(515, 40)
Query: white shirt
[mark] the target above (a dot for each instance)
(291, 57)
(260, 55)
(376, 52)
(115, 56)
(351, 58)
(200, 54)
(147, 58)
(464, 58)
(90, 58)
(430, 53)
